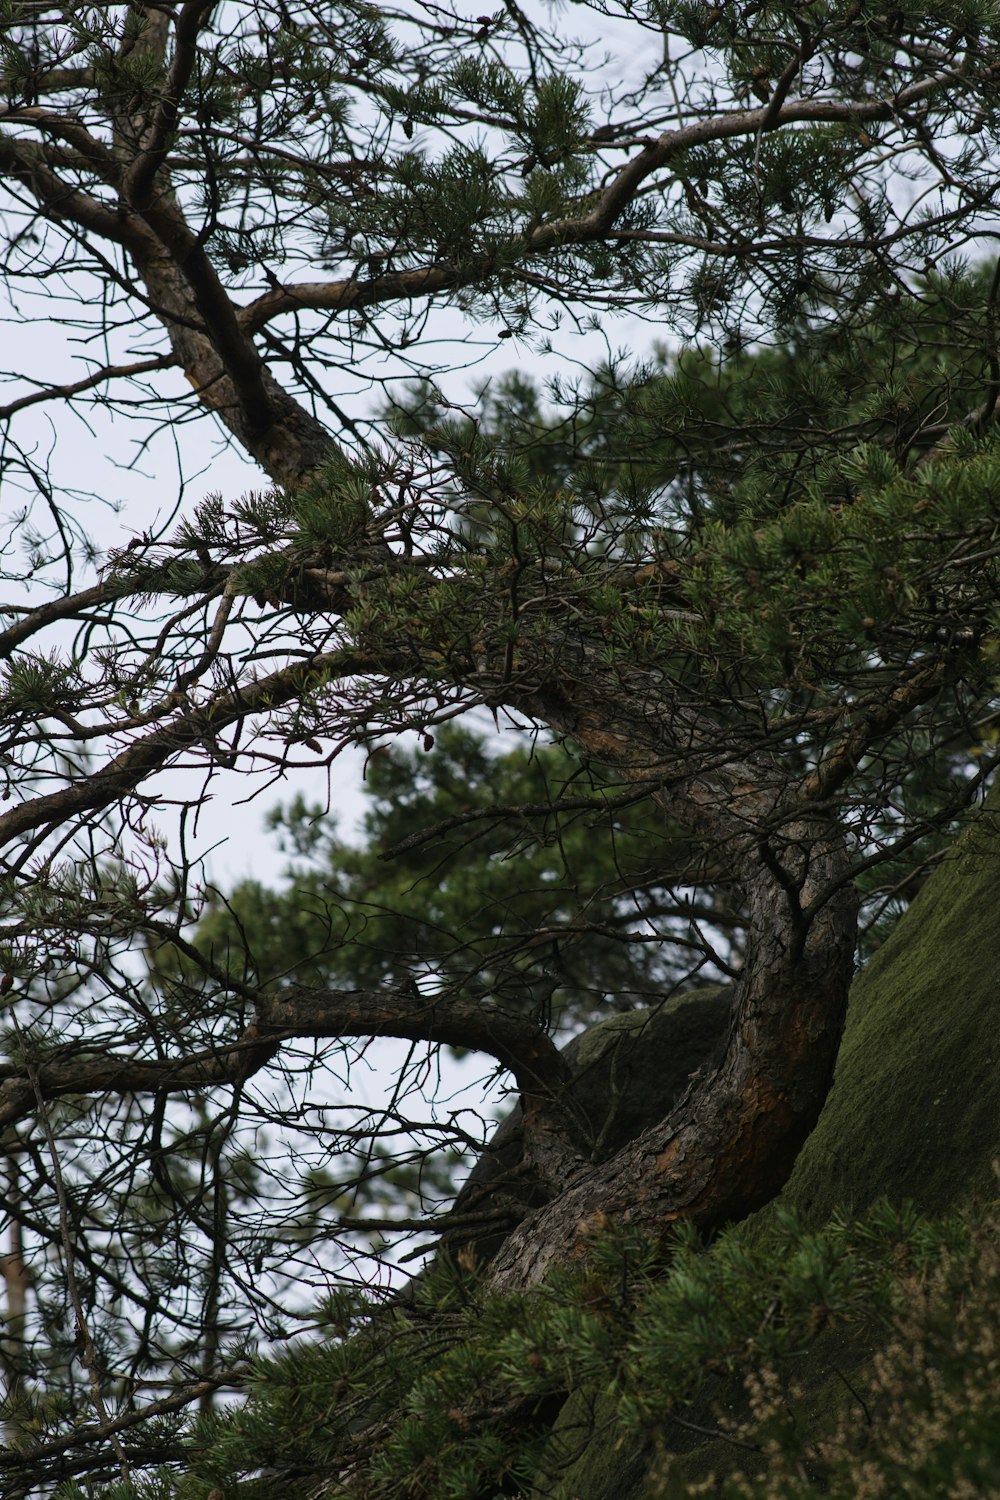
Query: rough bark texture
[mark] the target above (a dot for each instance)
(219, 358)
(730, 1143)
(621, 1074)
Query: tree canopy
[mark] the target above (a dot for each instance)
(734, 595)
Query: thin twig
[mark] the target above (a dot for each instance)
(88, 1351)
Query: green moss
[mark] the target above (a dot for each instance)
(915, 1108)
(589, 1455)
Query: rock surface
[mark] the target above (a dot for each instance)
(914, 1112)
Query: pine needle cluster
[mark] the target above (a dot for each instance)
(859, 1359)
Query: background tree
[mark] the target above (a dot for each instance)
(481, 893)
(750, 591)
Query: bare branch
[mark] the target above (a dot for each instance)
(198, 726)
(515, 1041)
(88, 383)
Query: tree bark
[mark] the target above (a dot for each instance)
(731, 1142)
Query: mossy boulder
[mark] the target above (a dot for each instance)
(586, 1456)
(914, 1112)
(628, 1069)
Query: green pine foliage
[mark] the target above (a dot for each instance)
(923, 1425)
(785, 516)
(520, 905)
(805, 488)
(803, 1363)
(357, 113)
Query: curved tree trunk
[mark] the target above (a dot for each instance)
(730, 1143)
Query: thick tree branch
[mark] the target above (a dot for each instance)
(91, 151)
(727, 126)
(24, 161)
(138, 180)
(876, 720)
(349, 296)
(69, 607)
(515, 1041)
(422, 281)
(185, 293)
(217, 312)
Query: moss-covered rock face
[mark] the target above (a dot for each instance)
(588, 1457)
(915, 1107)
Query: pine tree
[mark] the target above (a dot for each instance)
(748, 588)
